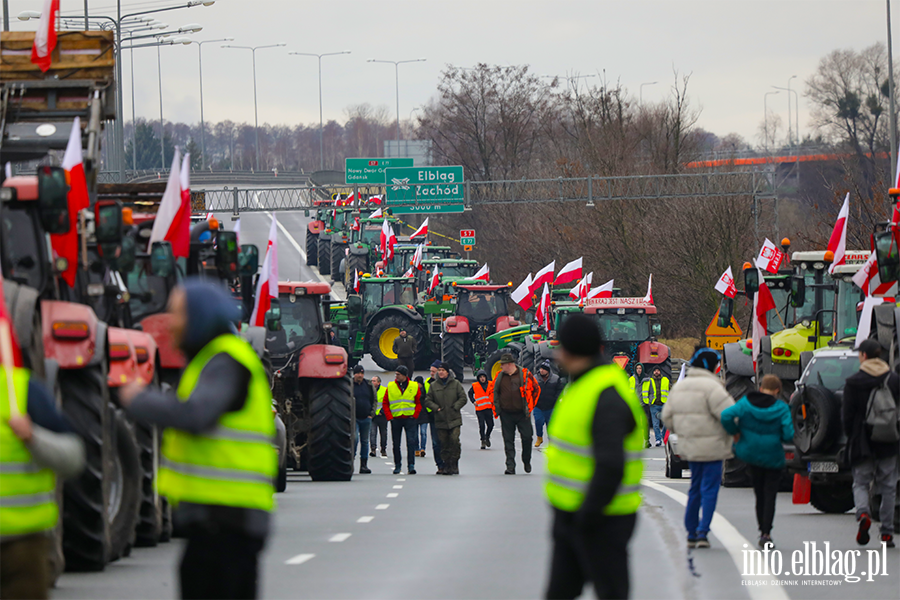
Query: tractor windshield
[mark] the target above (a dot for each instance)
(373, 295)
(149, 293)
(623, 326)
(456, 270)
(21, 241)
(301, 320)
(407, 293)
(481, 307)
(848, 297)
(370, 233)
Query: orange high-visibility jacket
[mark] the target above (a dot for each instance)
(484, 398)
(530, 390)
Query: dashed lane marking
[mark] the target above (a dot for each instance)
(401, 479)
(299, 559)
(339, 537)
(382, 507)
(398, 487)
(393, 495)
(364, 519)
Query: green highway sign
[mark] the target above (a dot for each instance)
(428, 209)
(467, 241)
(424, 185)
(370, 171)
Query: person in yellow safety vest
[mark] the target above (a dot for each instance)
(594, 468)
(402, 405)
(636, 382)
(481, 394)
(379, 421)
(36, 446)
(217, 463)
(655, 394)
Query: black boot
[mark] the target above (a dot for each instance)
(363, 466)
(454, 468)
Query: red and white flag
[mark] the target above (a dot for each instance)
(725, 284)
(602, 291)
(543, 276)
(770, 257)
(355, 226)
(45, 36)
(868, 280)
(173, 218)
(66, 244)
(435, 280)
(580, 291)
(376, 200)
(409, 273)
(837, 244)
(376, 215)
(543, 313)
(267, 286)
(388, 240)
(762, 304)
(649, 296)
(569, 273)
(356, 280)
(484, 273)
(416, 261)
(422, 230)
(522, 295)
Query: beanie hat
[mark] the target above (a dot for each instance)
(705, 358)
(579, 335)
(436, 364)
(402, 370)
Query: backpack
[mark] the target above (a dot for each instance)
(882, 414)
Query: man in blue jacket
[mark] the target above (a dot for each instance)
(760, 422)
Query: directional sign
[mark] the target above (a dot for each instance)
(464, 233)
(370, 171)
(424, 185)
(467, 248)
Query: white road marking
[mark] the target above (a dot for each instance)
(401, 479)
(339, 537)
(299, 559)
(382, 507)
(393, 495)
(734, 543)
(398, 487)
(364, 519)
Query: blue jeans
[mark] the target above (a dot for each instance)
(704, 492)
(362, 431)
(423, 435)
(541, 418)
(658, 430)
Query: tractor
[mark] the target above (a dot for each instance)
(311, 385)
(315, 228)
(363, 251)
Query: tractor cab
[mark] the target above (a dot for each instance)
(630, 329)
(296, 320)
(481, 311)
(848, 298)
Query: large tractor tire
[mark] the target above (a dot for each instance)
(492, 364)
(150, 524)
(381, 335)
(86, 499)
(165, 533)
(835, 498)
(337, 255)
(125, 488)
(453, 352)
(821, 427)
(333, 419)
(526, 358)
(312, 248)
(324, 257)
(355, 262)
(738, 385)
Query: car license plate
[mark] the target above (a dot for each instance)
(823, 467)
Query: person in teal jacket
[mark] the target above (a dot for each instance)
(760, 422)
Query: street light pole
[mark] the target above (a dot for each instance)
(253, 50)
(893, 121)
(766, 118)
(641, 90)
(319, 56)
(162, 124)
(397, 64)
(202, 126)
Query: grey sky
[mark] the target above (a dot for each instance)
(735, 49)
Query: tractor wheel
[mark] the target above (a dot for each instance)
(453, 352)
(526, 359)
(125, 489)
(337, 254)
(821, 426)
(492, 364)
(332, 422)
(355, 262)
(281, 480)
(738, 385)
(165, 534)
(381, 336)
(324, 257)
(735, 473)
(312, 248)
(86, 499)
(149, 528)
(832, 498)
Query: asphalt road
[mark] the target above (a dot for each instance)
(484, 534)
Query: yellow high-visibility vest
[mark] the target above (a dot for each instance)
(402, 404)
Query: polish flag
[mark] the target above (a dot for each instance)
(435, 280)
(416, 261)
(580, 291)
(267, 286)
(837, 244)
(868, 280)
(65, 245)
(543, 313)
(725, 285)
(569, 273)
(387, 234)
(173, 218)
(391, 242)
(762, 304)
(602, 291)
(45, 36)
(770, 257)
(649, 296)
(409, 273)
(355, 226)
(484, 273)
(374, 200)
(376, 215)
(543, 276)
(356, 280)
(522, 294)
(422, 230)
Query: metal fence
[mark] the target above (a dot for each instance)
(239, 200)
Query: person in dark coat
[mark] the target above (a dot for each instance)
(551, 387)
(870, 461)
(405, 347)
(366, 397)
(446, 398)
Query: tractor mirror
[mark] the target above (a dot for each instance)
(798, 291)
(354, 305)
(655, 329)
(109, 222)
(126, 259)
(248, 260)
(53, 199)
(273, 316)
(227, 254)
(751, 281)
(726, 312)
(162, 260)
(887, 256)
